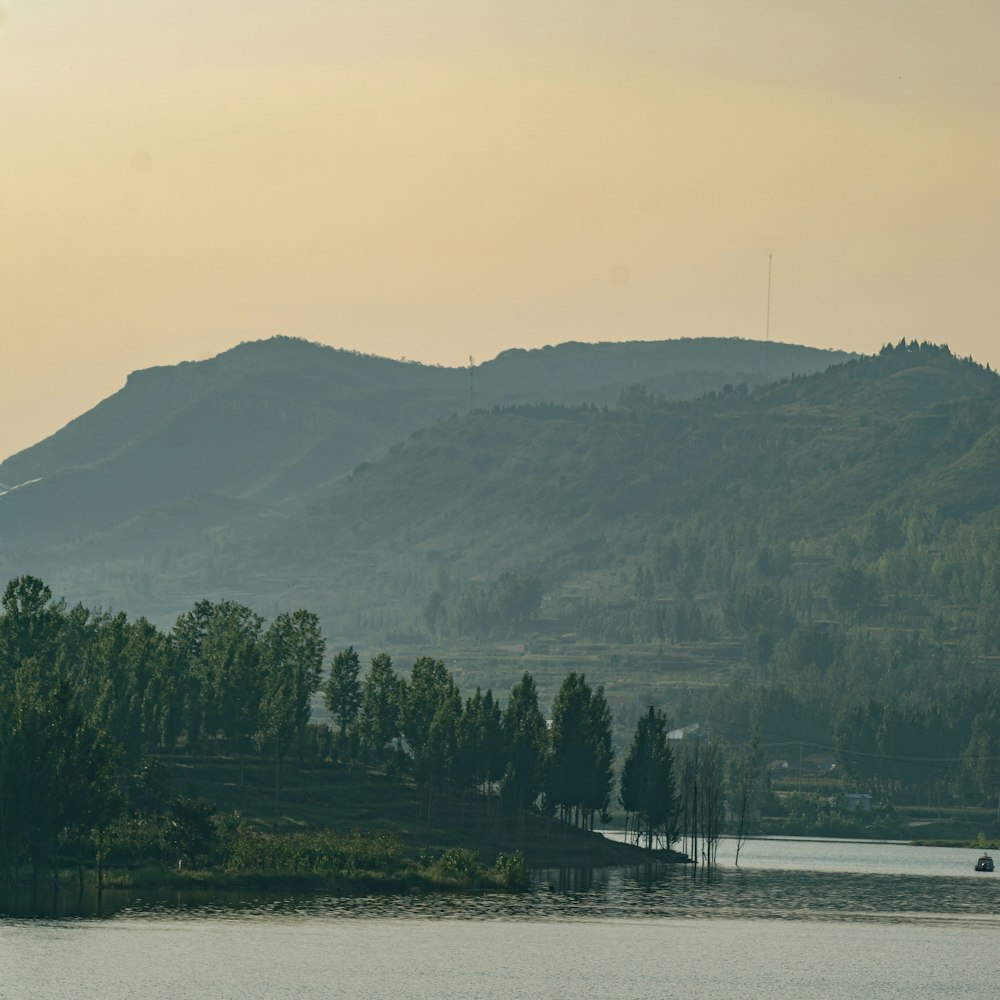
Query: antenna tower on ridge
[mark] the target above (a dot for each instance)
(767, 328)
(767, 324)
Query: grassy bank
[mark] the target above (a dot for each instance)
(338, 828)
(344, 798)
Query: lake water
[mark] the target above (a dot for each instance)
(809, 920)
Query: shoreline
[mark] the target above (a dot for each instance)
(571, 849)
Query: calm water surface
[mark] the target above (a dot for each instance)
(804, 920)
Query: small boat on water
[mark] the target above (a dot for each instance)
(984, 864)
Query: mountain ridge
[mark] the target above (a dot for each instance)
(276, 423)
(787, 558)
(555, 491)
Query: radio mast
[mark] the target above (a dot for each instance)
(767, 327)
(767, 323)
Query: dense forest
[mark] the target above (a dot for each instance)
(91, 704)
(836, 537)
(807, 568)
(86, 699)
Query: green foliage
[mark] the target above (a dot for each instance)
(429, 688)
(510, 599)
(526, 740)
(816, 560)
(981, 758)
(648, 783)
(459, 864)
(381, 698)
(480, 741)
(342, 693)
(83, 697)
(221, 646)
(293, 663)
(813, 815)
(510, 871)
(320, 852)
(852, 590)
(438, 759)
(580, 751)
(59, 768)
(189, 832)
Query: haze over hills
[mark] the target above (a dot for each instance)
(560, 493)
(184, 456)
(776, 556)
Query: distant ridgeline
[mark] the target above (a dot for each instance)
(814, 559)
(144, 501)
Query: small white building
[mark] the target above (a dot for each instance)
(676, 736)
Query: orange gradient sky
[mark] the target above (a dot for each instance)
(434, 179)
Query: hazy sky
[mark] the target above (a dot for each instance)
(432, 179)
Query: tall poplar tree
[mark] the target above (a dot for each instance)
(526, 739)
(342, 693)
(381, 694)
(581, 751)
(430, 685)
(648, 785)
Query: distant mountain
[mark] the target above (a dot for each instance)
(559, 492)
(799, 558)
(264, 423)
(185, 455)
(677, 369)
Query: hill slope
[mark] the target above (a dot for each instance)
(185, 456)
(557, 491)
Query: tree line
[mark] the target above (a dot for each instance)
(89, 701)
(563, 766)
(86, 697)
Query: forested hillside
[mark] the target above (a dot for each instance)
(188, 459)
(683, 498)
(815, 560)
(813, 563)
(826, 549)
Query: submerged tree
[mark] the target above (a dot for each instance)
(701, 805)
(648, 786)
(710, 802)
(747, 782)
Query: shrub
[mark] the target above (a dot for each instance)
(458, 863)
(510, 871)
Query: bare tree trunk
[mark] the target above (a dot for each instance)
(742, 824)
